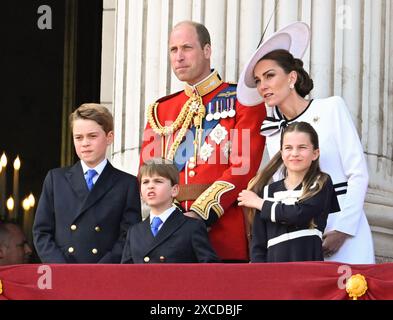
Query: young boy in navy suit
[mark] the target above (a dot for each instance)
(85, 210)
(167, 235)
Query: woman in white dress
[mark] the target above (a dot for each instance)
(276, 75)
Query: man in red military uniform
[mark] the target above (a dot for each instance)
(213, 140)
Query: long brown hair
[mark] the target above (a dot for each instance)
(314, 179)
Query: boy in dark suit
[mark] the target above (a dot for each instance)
(167, 235)
(85, 210)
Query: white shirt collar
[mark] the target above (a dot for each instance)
(163, 216)
(99, 168)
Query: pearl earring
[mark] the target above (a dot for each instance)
(291, 86)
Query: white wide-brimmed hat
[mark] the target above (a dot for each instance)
(294, 38)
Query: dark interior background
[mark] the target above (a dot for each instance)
(31, 82)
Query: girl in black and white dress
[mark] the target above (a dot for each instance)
(291, 214)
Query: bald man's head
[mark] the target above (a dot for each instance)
(13, 245)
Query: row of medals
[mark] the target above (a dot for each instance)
(221, 109)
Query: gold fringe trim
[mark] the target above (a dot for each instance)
(210, 199)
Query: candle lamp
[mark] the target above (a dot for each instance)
(17, 165)
(30, 219)
(3, 184)
(27, 213)
(10, 207)
(32, 200)
(3, 160)
(2, 199)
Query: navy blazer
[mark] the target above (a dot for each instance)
(181, 239)
(73, 225)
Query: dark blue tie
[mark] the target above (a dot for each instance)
(155, 224)
(91, 173)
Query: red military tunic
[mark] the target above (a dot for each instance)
(230, 156)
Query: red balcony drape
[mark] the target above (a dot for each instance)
(298, 280)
